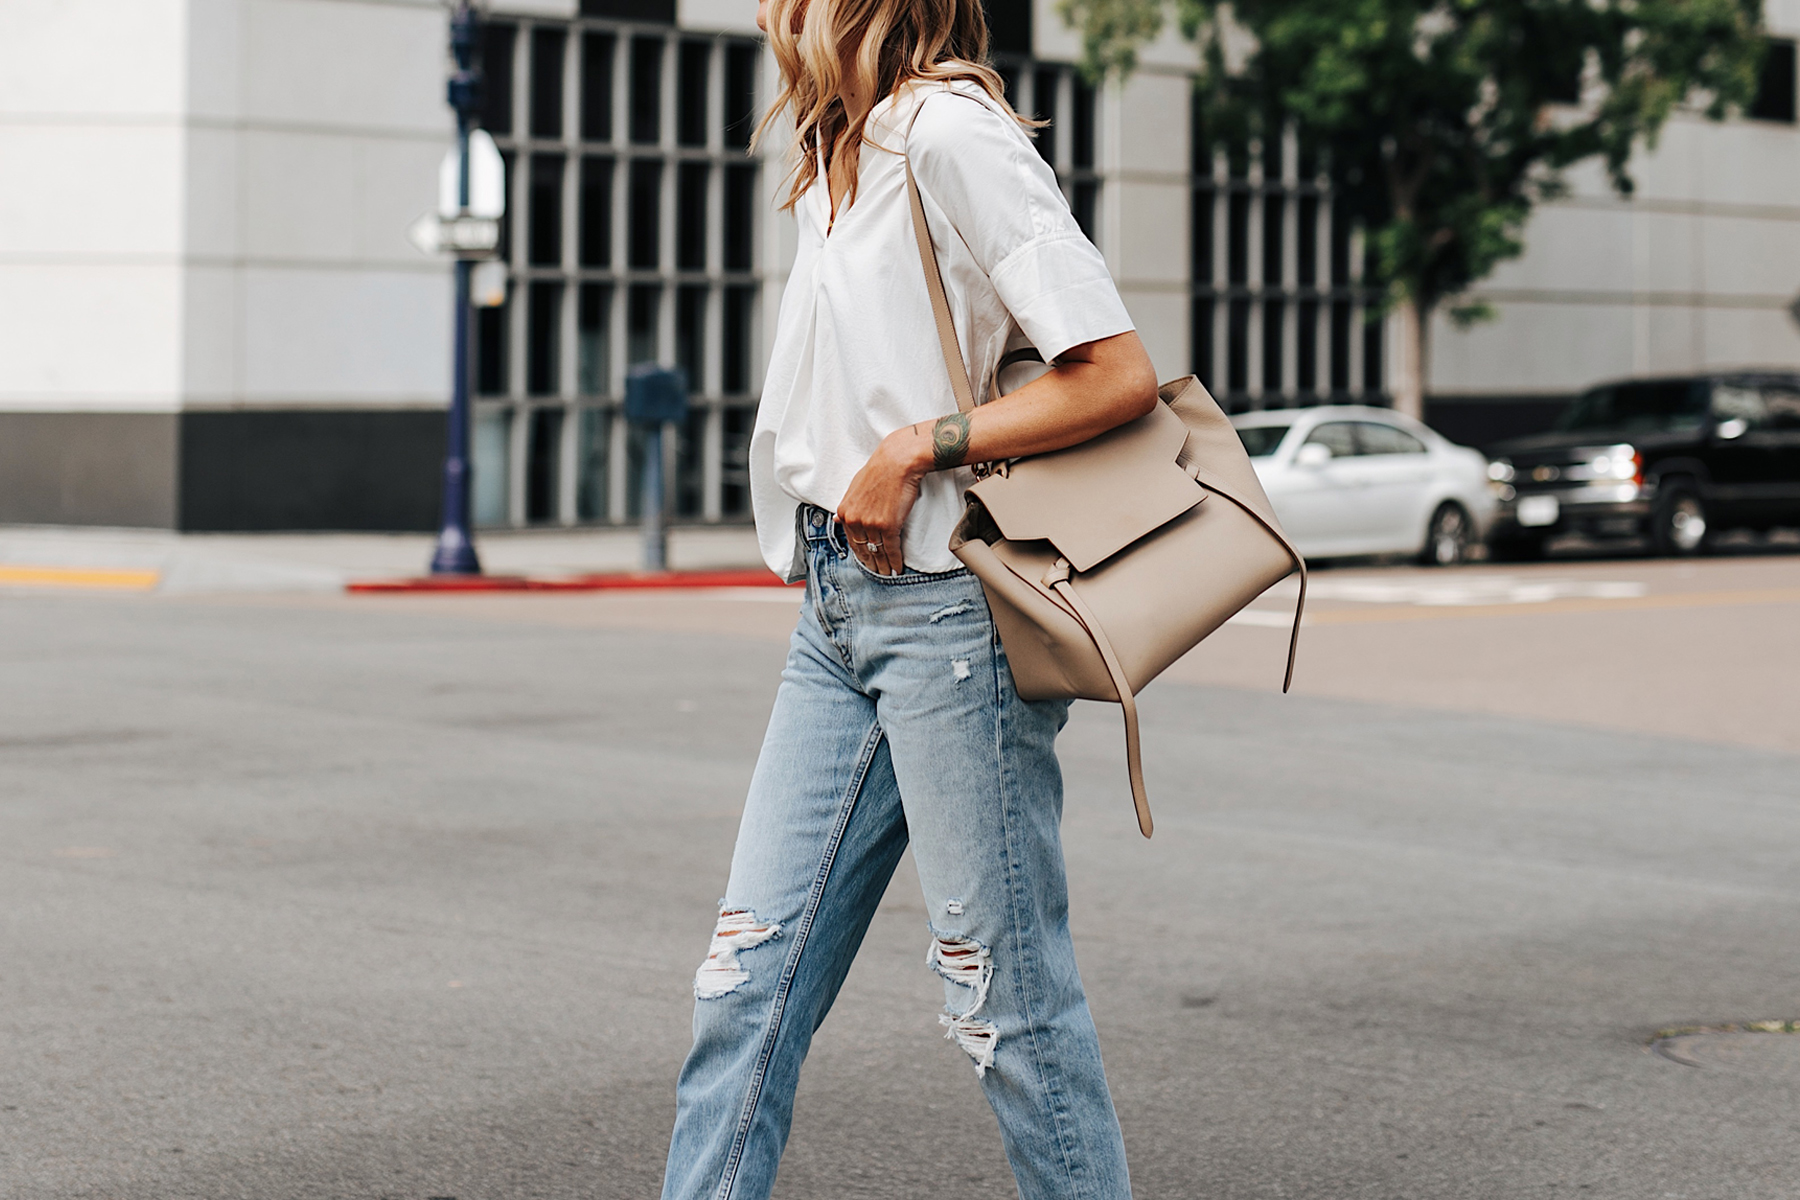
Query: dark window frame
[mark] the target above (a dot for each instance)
(580, 305)
(1776, 96)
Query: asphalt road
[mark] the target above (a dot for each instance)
(391, 897)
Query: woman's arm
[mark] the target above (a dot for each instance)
(1092, 388)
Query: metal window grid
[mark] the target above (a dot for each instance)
(584, 303)
(1280, 314)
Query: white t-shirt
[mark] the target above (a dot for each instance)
(856, 352)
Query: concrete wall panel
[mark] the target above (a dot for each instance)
(1570, 247)
(82, 57)
(345, 64)
(215, 37)
(212, 207)
(1162, 322)
(80, 336)
(98, 468)
(537, 8)
(1153, 124)
(335, 469)
(212, 336)
(1672, 339)
(1750, 256)
(717, 16)
(1153, 237)
(297, 195)
(396, 183)
(88, 190)
(346, 336)
(1666, 253)
(1533, 348)
(1750, 337)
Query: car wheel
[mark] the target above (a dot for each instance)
(1447, 537)
(1516, 549)
(1678, 526)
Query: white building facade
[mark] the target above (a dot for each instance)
(211, 317)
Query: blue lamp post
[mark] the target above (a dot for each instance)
(455, 554)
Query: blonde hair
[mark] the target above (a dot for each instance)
(886, 43)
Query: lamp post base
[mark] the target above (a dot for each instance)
(455, 554)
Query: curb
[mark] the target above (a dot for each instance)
(635, 581)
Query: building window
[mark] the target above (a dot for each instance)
(1775, 86)
(630, 237)
(1277, 317)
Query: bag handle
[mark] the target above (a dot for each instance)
(1058, 580)
(1299, 564)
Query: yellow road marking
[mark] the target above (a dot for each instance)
(79, 577)
(1410, 612)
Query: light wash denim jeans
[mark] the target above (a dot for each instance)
(897, 720)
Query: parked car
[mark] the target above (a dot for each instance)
(1347, 480)
(1675, 459)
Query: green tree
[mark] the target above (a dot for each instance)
(1443, 122)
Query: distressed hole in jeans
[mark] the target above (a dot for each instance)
(722, 973)
(966, 963)
(976, 1035)
(959, 668)
(955, 610)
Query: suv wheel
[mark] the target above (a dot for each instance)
(1447, 537)
(1678, 526)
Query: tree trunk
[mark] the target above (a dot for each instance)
(1414, 324)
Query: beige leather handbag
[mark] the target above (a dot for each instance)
(1105, 562)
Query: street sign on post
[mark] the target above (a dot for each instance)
(469, 230)
(465, 237)
(487, 180)
(654, 397)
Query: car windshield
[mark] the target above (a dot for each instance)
(1260, 440)
(1638, 407)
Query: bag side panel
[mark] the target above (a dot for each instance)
(1214, 450)
(1050, 654)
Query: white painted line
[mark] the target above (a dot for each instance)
(1499, 589)
(1262, 617)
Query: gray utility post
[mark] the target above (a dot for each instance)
(654, 397)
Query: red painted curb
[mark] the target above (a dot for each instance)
(569, 583)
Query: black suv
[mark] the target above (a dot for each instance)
(1677, 459)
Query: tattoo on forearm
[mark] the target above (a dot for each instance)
(950, 441)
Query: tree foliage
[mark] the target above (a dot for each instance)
(1442, 123)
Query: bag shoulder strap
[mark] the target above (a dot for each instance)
(934, 282)
(1058, 579)
(1299, 564)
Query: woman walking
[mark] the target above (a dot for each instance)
(896, 720)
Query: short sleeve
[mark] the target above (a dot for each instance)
(978, 166)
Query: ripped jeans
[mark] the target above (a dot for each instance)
(897, 720)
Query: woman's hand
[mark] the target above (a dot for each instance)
(875, 509)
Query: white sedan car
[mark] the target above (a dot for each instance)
(1347, 480)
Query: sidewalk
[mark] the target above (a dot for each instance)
(155, 560)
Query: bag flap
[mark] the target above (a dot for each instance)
(1092, 500)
